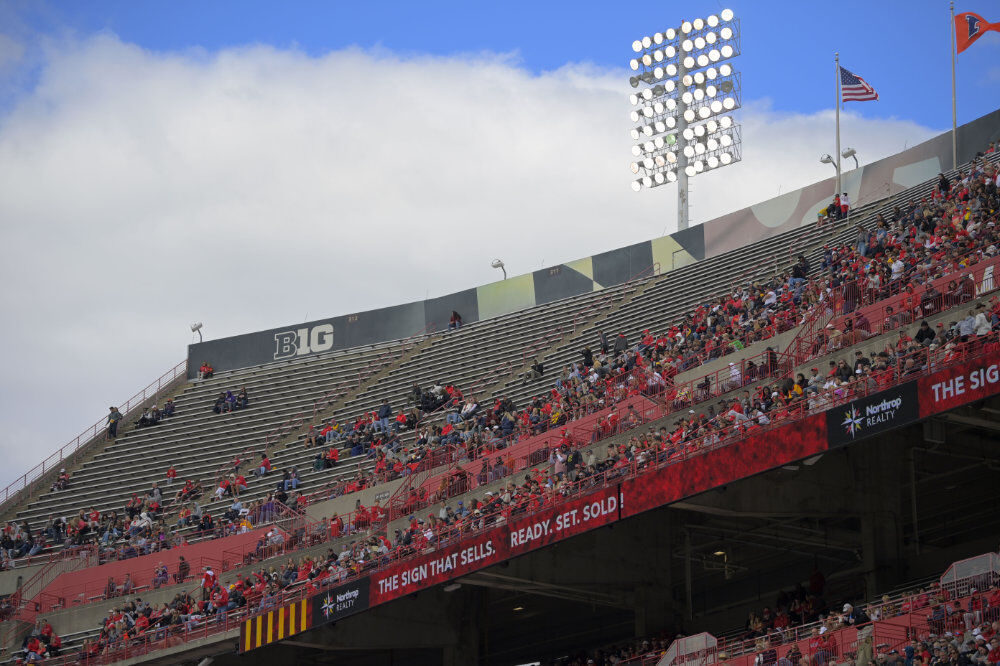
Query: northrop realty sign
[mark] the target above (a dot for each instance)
(873, 414)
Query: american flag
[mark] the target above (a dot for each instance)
(853, 88)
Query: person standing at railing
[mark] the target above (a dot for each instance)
(114, 417)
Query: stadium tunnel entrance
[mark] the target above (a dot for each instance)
(866, 519)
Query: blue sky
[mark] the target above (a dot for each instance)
(902, 48)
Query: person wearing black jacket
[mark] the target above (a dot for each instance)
(925, 335)
(854, 616)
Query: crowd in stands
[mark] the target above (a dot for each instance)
(946, 220)
(922, 240)
(918, 242)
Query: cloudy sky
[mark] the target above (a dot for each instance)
(163, 163)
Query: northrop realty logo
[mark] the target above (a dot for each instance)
(874, 414)
(341, 601)
(852, 422)
(882, 412)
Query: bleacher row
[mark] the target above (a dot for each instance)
(486, 354)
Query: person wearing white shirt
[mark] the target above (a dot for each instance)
(983, 325)
(897, 268)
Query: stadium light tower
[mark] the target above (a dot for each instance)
(686, 91)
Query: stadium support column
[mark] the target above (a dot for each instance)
(879, 494)
(682, 160)
(466, 614)
(653, 597)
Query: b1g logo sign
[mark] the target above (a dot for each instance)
(869, 416)
(303, 341)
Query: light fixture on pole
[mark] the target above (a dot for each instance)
(499, 264)
(196, 328)
(850, 152)
(826, 159)
(686, 89)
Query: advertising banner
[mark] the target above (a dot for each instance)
(563, 521)
(517, 537)
(754, 454)
(340, 602)
(456, 560)
(873, 414)
(959, 385)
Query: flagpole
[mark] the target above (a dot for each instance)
(836, 66)
(954, 114)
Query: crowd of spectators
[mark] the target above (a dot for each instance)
(923, 240)
(41, 643)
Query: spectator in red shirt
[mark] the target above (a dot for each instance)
(208, 581)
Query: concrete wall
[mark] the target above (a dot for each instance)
(342, 505)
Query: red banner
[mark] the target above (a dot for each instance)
(749, 456)
(498, 544)
(450, 562)
(962, 384)
(563, 521)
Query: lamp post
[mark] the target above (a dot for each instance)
(850, 152)
(499, 264)
(826, 159)
(196, 328)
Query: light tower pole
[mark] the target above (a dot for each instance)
(682, 160)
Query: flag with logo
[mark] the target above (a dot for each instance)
(969, 27)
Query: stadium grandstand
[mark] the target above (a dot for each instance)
(769, 437)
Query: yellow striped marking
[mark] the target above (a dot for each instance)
(270, 626)
(302, 614)
(292, 627)
(259, 633)
(281, 623)
(246, 635)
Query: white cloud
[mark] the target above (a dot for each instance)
(255, 187)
